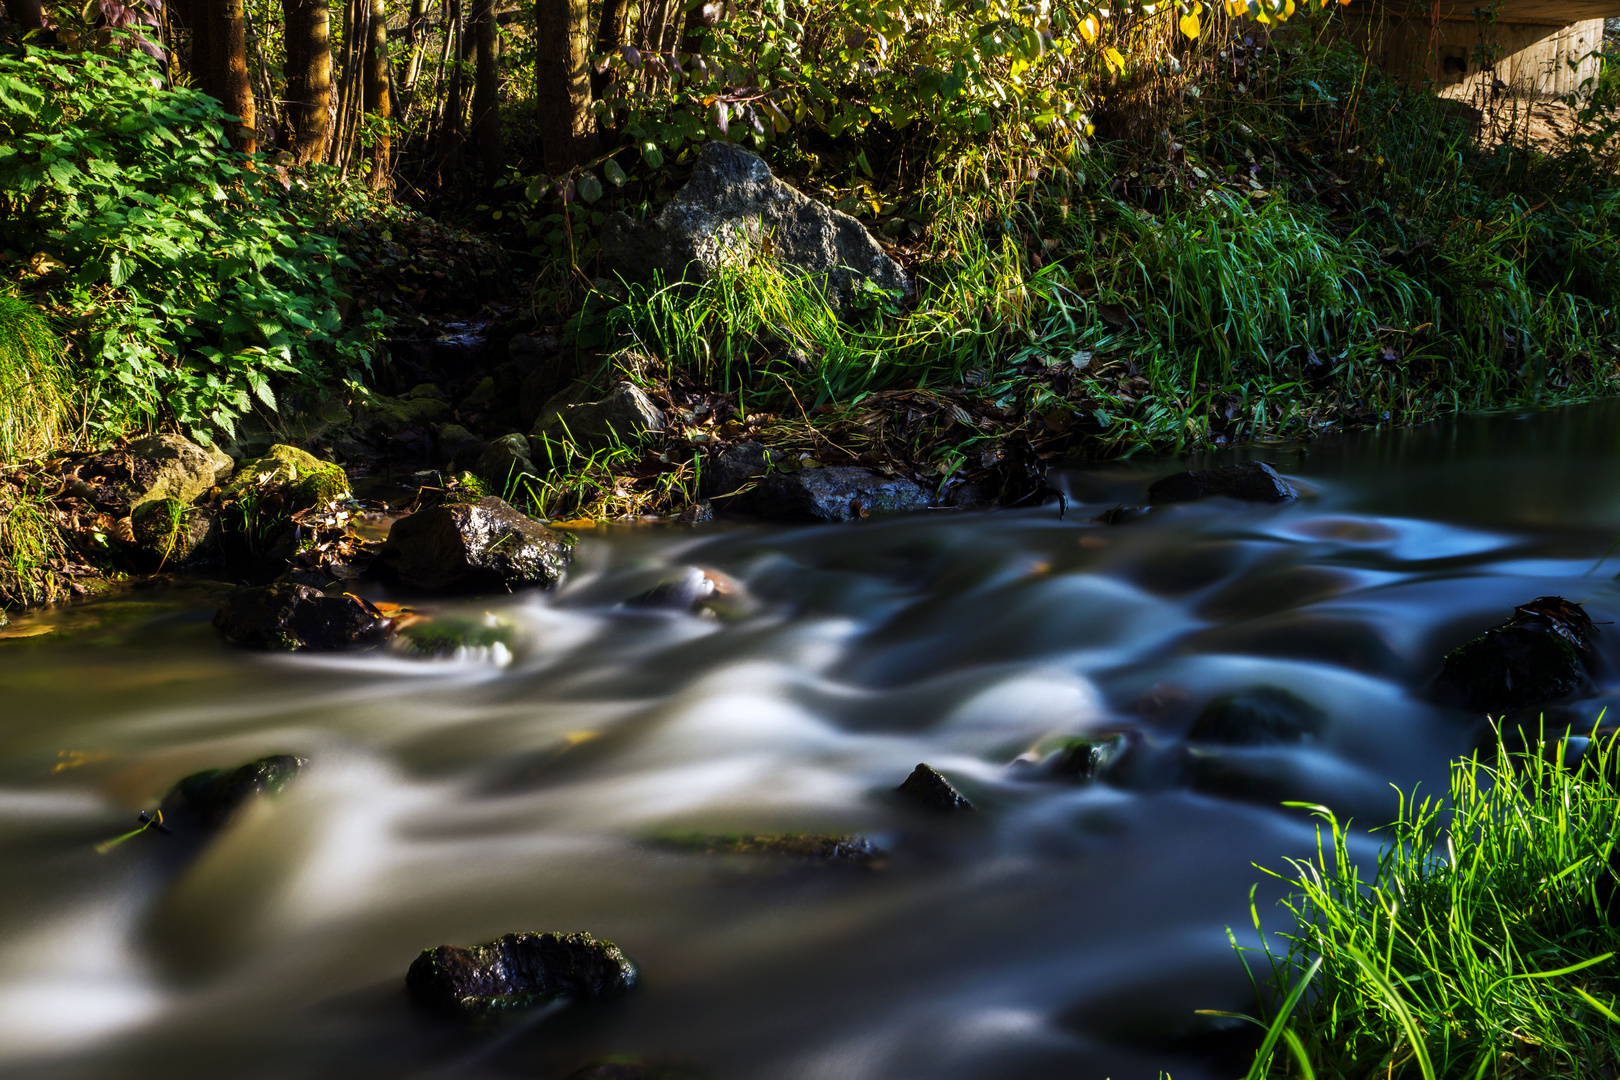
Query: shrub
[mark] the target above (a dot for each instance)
(200, 274)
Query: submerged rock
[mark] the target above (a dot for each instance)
(447, 635)
(1249, 481)
(1533, 657)
(837, 493)
(1262, 716)
(620, 419)
(733, 206)
(517, 971)
(473, 546)
(291, 616)
(927, 788)
(631, 1068)
(209, 798)
(301, 480)
(812, 846)
(1086, 759)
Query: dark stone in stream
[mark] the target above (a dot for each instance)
(634, 1069)
(516, 971)
(1262, 716)
(1121, 514)
(209, 798)
(725, 472)
(1249, 481)
(474, 546)
(1533, 657)
(1086, 759)
(927, 788)
(831, 848)
(291, 616)
(835, 493)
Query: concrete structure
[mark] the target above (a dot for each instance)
(1537, 48)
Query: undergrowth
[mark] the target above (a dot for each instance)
(1483, 945)
(35, 384)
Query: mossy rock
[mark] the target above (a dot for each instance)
(168, 532)
(518, 971)
(1511, 666)
(308, 481)
(209, 798)
(444, 635)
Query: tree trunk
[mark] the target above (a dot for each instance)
(228, 48)
(451, 132)
(378, 100)
(309, 78)
(28, 14)
(486, 89)
(563, 78)
(610, 37)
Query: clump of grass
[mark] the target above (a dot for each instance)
(1483, 946)
(29, 541)
(34, 383)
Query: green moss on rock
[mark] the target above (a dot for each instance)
(307, 480)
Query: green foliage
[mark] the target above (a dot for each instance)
(1483, 946)
(29, 542)
(35, 386)
(204, 278)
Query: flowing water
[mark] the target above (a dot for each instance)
(1063, 930)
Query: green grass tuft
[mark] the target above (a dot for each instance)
(35, 387)
(1483, 946)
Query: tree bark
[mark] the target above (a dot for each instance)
(309, 78)
(378, 98)
(28, 14)
(486, 90)
(227, 48)
(563, 79)
(610, 38)
(451, 133)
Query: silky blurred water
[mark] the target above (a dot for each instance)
(1063, 931)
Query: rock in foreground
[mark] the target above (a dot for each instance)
(285, 615)
(727, 211)
(209, 798)
(928, 789)
(837, 493)
(1533, 657)
(1249, 481)
(517, 971)
(475, 546)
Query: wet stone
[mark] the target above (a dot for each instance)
(836, 493)
(1086, 759)
(518, 971)
(1249, 481)
(725, 472)
(817, 847)
(630, 1068)
(170, 533)
(927, 788)
(1533, 657)
(474, 546)
(291, 616)
(1262, 716)
(211, 797)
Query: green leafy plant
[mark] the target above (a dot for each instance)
(204, 278)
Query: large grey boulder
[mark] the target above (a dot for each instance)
(620, 419)
(732, 207)
(126, 478)
(474, 546)
(836, 493)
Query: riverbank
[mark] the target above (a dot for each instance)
(1262, 247)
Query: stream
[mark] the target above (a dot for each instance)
(1062, 930)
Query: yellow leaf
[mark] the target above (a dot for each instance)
(1090, 28)
(1116, 61)
(1189, 24)
(1288, 9)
